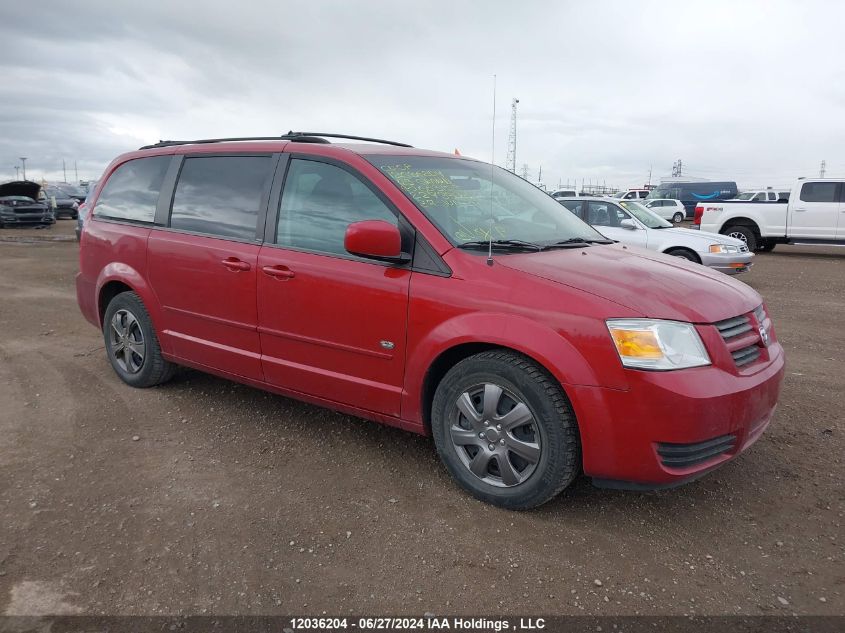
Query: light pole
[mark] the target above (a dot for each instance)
(23, 162)
(17, 172)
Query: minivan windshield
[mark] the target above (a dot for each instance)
(468, 199)
(646, 216)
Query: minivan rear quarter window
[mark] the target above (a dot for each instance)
(220, 195)
(132, 190)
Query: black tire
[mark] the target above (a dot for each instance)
(678, 217)
(684, 253)
(151, 369)
(553, 424)
(744, 233)
(767, 246)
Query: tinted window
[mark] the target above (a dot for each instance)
(220, 195)
(572, 205)
(131, 192)
(604, 214)
(319, 202)
(783, 195)
(818, 192)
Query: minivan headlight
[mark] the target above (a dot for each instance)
(658, 345)
(723, 248)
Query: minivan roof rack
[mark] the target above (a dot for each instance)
(299, 137)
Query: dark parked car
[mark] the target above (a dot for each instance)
(83, 208)
(64, 203)
(19, 204)
(77, 193)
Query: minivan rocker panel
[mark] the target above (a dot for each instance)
(560, 354)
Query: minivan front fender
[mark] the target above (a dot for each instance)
(551, 349)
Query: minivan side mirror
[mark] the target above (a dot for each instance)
(628, 223)
(375, 239)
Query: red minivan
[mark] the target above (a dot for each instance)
(431, 292)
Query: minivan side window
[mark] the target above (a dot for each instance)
(818, 192)
(220, 195)
(319, 201)
(131, 192)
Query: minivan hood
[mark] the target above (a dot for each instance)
(20, 188)
(654, 285)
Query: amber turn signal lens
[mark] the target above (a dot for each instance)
(637, 344)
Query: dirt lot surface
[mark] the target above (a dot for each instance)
(204, 496)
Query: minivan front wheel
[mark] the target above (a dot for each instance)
(131, 343)
(505, 430)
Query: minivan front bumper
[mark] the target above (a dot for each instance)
(670, 428)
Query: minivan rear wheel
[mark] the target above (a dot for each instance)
(131, 343)
(505, 430)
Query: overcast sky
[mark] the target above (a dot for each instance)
(747, 91)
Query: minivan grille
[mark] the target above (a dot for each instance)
(742, 337)
(684, 455)
(729, 328)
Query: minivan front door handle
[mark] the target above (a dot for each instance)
(235, 265)
(279, 272)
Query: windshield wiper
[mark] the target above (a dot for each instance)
(509, 244)
(575, 242)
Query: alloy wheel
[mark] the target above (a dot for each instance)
(739, 236)
(126, 340)
(495, 435)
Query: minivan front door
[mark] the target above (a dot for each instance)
(331, 325)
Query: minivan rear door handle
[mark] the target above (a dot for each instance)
(278, 271)
(235, 265)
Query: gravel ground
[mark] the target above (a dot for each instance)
(204, 496)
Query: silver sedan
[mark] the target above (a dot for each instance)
(631, 223)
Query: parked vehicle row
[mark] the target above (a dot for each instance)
(631, 194)
(25, 202)
(814, 214)
(692, 193)
(22, 203)
(667, 209)
(431, 292)
(631, 223)
(765, 195)
(61, 202)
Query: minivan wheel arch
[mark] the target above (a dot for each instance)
(108, 292)
(451, 357)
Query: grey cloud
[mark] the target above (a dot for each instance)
(607, 89)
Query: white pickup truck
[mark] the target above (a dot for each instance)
(815, 214)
